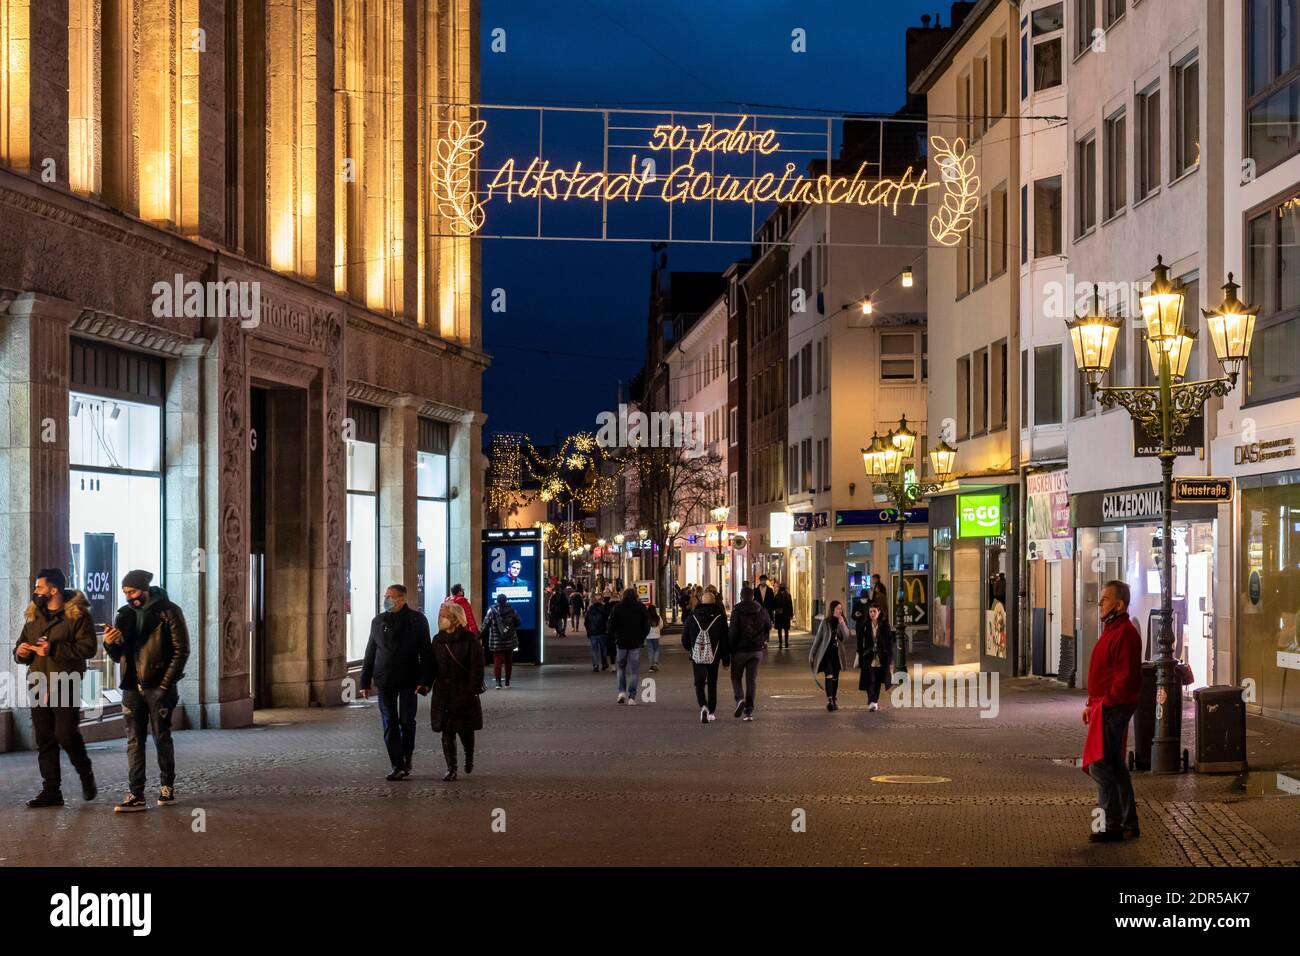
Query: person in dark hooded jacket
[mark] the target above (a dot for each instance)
(150, 640)
(57, 639)
(747, 637)
(455, 708)
(596, 620)
(502, 628)
(705, 638)
(558, 610)
(399, 662)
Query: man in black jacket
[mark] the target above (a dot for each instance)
(399, 662)
(57, 639)
(150, 640)
(746, 638)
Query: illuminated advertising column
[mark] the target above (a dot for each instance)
(513, 566)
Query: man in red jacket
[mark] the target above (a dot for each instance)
(1114, 681)
(458, 597)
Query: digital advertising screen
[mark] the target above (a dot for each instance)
(512, 565)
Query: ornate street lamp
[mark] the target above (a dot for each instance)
(719, 516)
(885, 462)
(1164, 411)
(618, 540)
(670, 576)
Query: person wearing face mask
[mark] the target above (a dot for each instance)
(399, 662)
(1114, 685)
(875, 653)
(57, 639)
(151, 642)
(457, 684)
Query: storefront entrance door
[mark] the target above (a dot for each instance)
(1053, 617)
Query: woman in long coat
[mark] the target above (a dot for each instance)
(828, 655)
(875, 653)
(457, 683)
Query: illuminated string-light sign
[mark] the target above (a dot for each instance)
(686, 182)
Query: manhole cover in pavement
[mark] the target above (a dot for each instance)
(908, 778)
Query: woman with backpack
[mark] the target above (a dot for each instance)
(875, 652)
(705, 639)
(828, 652)
(652, 639)
(502, 626)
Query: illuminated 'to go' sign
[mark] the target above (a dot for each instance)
(540, 179)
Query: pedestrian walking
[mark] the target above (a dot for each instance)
(860, 605)
(399, 664)
(151, 641)
(558, 610)
(502, 626)
(628, 626)
(652, 638)
(875, 654)
(764, 593)
(746, 639)
(458, 597)
(879, 597)
(595, 621)
(828, 654)
(782, 615)
(455, 708)
(57, 638)
(577, 604)
(1114, 682)
(705, 638)
(609, 649)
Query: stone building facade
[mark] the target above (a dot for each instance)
(280, 465)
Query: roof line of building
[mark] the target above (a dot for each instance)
(926, 78)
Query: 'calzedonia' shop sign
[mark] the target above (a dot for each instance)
(1130, 505)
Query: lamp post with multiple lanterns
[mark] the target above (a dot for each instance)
(622, 556)
(670, 572)
(719, 516)
(885, 460)
(1164, 411)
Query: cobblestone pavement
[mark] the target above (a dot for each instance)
(575, 779)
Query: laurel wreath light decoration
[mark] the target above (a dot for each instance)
(960, 191)
(453, 176)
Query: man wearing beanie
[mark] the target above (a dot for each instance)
(151, 642)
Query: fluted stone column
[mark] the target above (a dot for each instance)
(34, 370)
(398, 443)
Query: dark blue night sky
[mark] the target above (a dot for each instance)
(575, 317)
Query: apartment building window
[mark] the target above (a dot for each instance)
(733, 431)
(897, 356)
(979, 244)
(1273, 282)
(1047, 27)
(792, 465)
(998, 231)
(980, 94)
(1186, 120)
(794, 380)
(1024, 388)
(806, 450)
(826, 464)
(1146, 145)
(1114, 10)
(1085, 22)
(925, 357)
(964, 105)
(1024, 66)
(1047, 217)
(1191, 283)
(820, 378)
(963, 253)
(1273, 88)
(733, 361)
(998, 77)
(1024, 225)
(980, 392)
(963, 398)
(807, 372)
(998, 386)
(1115, 164)
(1047, 385)
(1085, 185)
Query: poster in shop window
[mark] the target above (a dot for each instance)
(99, 574)
(1048, 533)
(995, 630)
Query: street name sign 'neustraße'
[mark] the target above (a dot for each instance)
(1206, 489)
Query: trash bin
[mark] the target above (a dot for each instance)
(1220, 729)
